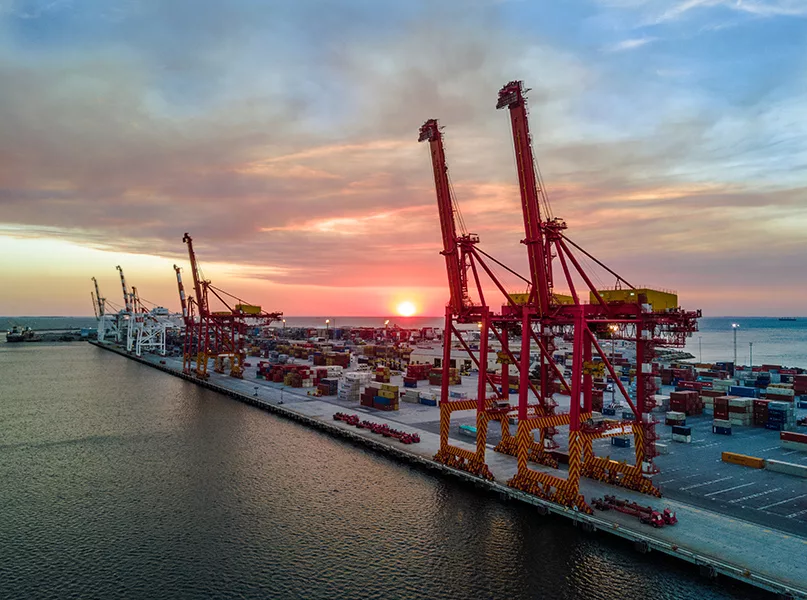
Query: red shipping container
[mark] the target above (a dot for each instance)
(793, 437)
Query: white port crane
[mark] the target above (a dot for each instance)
(107, 324)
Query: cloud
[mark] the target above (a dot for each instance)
(631, 44)
(286, 144)
(661, 11)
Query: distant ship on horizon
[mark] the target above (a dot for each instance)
(787, 318)
(18, 334)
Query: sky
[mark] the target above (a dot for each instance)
(282, 135)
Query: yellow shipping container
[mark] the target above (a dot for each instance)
(522, 299)
(248, 309)
(742, 459)
(387, 394)
(389, 388)
(657, 299)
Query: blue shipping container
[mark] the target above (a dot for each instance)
(381, 400)
(721, 430)
(682, 429)
(628, 416)
(609, 411)
(743, 391)
(428, 402)
(468, 430)
(621, 442)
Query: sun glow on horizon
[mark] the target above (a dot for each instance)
(406, 309)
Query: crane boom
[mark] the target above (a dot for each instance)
(126, 298)
(457, 281)
(511, 96)
(182, 299)
(101, 301)
(94, 305)
(198, 282)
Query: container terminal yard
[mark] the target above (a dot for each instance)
(524, 392)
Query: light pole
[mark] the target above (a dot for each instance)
(327, 329)
(700, 350)
(735, 327)
(751, 354)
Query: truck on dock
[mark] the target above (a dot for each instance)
(646, 514)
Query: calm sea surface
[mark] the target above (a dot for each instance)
(122, 482)
(770, 340)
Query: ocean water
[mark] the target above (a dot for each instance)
(119, 481)
(770, 340)
(773, 341)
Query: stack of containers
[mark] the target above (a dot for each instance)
(688, 402)
(436, 377)
(596, 400)
(682, 433)
(763, 380)
(328, 386)
(418, 371)
(741, 411)
(410, 382)
(782, 392)
(675, 418)
(382, 374)
(800, 384)
(292, 379)
(386, 398)
(662, 403)
(781, 416)
(721, 426)
(429, 398)
(340, 359)
(708, 398)
(290, 375)
(351, 384)
(760, 412)
(410, 396)
(370, 393)
(698, 386)
(721, 410)
(722, 385)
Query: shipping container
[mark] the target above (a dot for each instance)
(743, 460)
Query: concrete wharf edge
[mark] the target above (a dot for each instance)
(643, 543)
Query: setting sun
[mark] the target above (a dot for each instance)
(406, 309)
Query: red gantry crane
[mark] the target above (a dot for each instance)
(647, 318)
(190, 338)
(464, 261)
(218, 334)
